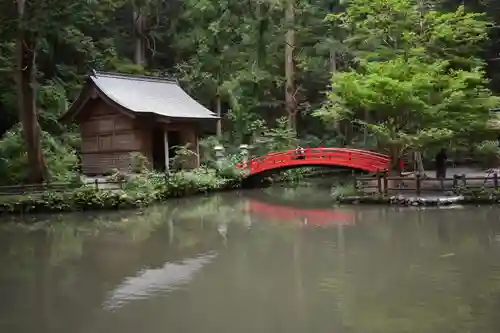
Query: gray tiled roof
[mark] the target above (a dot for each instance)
(150, 95)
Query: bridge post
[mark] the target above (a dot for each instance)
(244, 153)
(379, 183)
(386, 182)
(418, 184)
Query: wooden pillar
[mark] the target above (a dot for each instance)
(167, 157)
(197, 149)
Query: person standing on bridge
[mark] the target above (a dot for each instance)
(441, 159)
(299, 152)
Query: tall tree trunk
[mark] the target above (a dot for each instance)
(218, 111)
(25, 81)
(290, 103)
(218, 101)
(333, 61)
(262, 15)
(365, 128)
(139, 46)
(333, 70)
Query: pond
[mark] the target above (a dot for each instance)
(272, 260)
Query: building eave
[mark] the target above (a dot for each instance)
(88, 93)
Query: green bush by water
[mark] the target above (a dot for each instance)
(489, 153)
(340, 191)
(141, 190)
(60, 158)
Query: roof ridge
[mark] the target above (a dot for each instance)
(135, 77)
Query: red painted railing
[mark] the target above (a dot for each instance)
(346, 157)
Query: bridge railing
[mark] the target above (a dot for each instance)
(362, 151)
(363, 158)
(383, 184)
(323, 153)
(320, 152)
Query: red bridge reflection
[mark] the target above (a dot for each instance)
(310, 217)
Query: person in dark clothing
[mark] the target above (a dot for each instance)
(299, 153)
(441, 159)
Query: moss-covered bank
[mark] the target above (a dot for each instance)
(459, 195)
(142, 190)
(401, 200)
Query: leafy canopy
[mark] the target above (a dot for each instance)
(414, 83)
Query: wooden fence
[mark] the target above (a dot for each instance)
(55, 187)
(384, 184)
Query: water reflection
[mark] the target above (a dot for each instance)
(253, 263)
(150, 282)
(307, 217)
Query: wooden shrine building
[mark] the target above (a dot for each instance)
(121, 114)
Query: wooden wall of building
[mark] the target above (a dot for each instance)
(108, 138)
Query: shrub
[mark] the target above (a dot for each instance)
(226, 168)
(140, 190)
(183, 157)
(207, 149)
(196, 181)
(181, 183)
(138, 163)
(341, 191)
(293, 175)
(488, 153)
(61, 159)
(84, 198)
(276, 139)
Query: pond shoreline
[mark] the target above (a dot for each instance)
(108, 199)
(400, 200)
(91, 200)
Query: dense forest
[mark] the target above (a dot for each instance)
(392, 75)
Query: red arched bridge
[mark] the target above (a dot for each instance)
(364, 160)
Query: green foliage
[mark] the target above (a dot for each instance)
(326, 140)
(488, 153)
(183, 156)
(137, 191)
(61, 159)
(196, 181)
(207, 149)
(381, 30)
(276, 139)
(293, 176)
(146, 182)
(161, 186)
(233, 52)
(85, 198)
(411, 87)
(239, 58)
(227, 168)
(341, 191)
(138, 163)
(414, 103)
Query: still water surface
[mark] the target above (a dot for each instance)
(274, 260)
